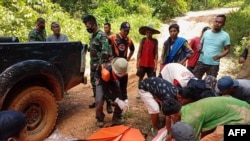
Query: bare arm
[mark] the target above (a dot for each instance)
(130, 55)
(131, 50)
(156, 55)
(162, 58)
(224, 53)
(189, 51)
(243, 56)
(139, 55)
(168, 126)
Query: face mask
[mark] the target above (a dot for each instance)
(42, 27)
(90, 30)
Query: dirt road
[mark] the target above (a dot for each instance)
(76, 120)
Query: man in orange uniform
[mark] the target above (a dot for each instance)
(120, 43)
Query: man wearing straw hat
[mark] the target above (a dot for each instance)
(147, 55)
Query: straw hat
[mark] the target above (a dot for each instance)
(143, 30)
(120, 65)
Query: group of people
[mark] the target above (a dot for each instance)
(109, 56)
(188, 97)
(39, 32)
(180, 84)
(195, 106)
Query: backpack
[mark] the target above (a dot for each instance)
(107, 72)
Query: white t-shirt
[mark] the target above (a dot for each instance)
(176, 74)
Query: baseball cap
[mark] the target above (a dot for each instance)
(11, 123)
(226, 82)
(125, 26)
(182, 132)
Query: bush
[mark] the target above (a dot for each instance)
(19, 17)
(169, 9)
(108, 11)
(238, 27)
(238, 49)
(136, 21)
(209, 4)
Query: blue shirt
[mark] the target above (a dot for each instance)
(213, 43)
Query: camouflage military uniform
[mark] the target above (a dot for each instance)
(99, 53)
(35, 35)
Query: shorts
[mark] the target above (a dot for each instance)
(143, 70)
(200, 69)
(148, 99)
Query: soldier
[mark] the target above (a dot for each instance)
(38, 33)
(99, 53)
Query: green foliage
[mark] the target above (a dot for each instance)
(238, 27)
(197, 5)
(167, 9)
(162, 9)
(108, 11)
(129, 5)
(19, 16)
(144, 9)
(238, 49)
(234, 4)
(38, 5)
(16, 18)
(209, 4)
(77, 8)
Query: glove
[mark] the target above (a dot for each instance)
(122, 104)
(126, 101)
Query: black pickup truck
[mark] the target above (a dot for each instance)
(35, 75)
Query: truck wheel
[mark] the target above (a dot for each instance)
(40, 108)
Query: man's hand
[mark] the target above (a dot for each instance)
(241, 60)
(122, 104)
(216, 57)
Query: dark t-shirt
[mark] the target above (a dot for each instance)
(158, 87)
(243, 90)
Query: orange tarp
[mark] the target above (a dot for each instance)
(117, 133)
